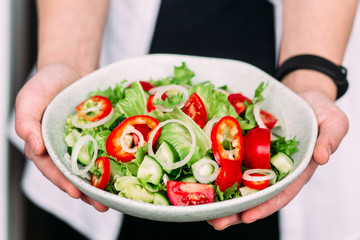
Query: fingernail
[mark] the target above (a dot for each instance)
(33, 143)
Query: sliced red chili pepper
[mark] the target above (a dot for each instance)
(94, 108)
(227, 128)
(101, 178)
(150, 106)
(113, 145)
(195, 108)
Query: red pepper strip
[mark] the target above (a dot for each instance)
(113, 145)
(227, 126)
(102, 103)
(100, 181)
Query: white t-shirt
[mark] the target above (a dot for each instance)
(326, 208)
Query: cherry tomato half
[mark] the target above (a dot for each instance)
(257, 148)
(113, 145)
(229, 174)
(258, 185)
(145, 85)
(237, 100)
(186, 193)
(101, 179)
(227, 126)
(268, 119)
(195, 108)
(94, 108)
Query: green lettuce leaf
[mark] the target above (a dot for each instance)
(281, 145)
(134, 101)
(171, 101)
(113, 94)
(216, 102)
(182, 76)
(179, 137)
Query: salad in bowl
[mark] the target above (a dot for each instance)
(179, 138)
(172, 142)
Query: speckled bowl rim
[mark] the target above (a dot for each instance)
(51, 130)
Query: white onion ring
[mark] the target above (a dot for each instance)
(128, 130)
(209, 126)
(247, 175)
(205, 179)
(170, 166)
(67, 158)
(74, 165)
(92, 124)
(257, 115)
(161, 90)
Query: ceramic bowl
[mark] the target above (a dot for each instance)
(296, 116)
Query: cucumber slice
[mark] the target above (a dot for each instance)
(84, 156)
(167, 153)
(72, 138)
(246, 191)
(189, 178)
(150, 166)
(160, 199)
(282, 162)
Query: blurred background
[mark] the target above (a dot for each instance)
(17, 56)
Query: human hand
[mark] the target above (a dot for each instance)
(333, 126)
(31, 103)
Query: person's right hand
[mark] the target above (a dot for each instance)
(31, 103)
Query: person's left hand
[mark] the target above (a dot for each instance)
(333, 126)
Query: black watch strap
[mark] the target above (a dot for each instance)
(336, 72)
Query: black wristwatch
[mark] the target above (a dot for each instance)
(336, 72)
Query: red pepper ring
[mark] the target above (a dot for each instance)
(102, 109)
(227, 126)
(113, 143)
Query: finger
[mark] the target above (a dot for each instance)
(225, 222)
(331, 132)
(98, 206)
(280, 200)
(51, 172)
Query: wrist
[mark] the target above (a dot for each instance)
(303, 80)
(81, 59)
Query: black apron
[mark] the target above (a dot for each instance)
(234, 29)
